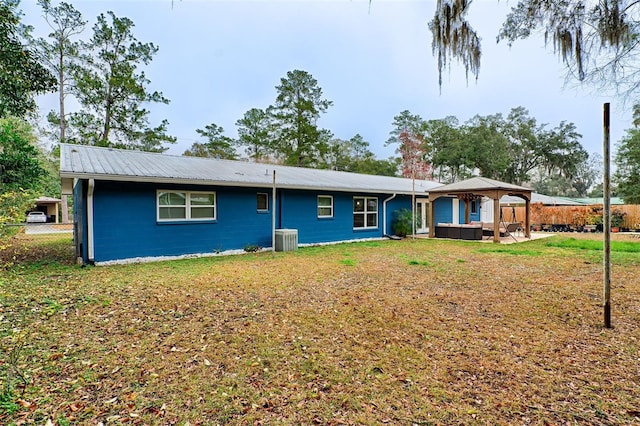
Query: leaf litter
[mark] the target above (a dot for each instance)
(304, 338)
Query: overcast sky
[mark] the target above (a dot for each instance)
(218, 59)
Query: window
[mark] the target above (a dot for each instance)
(474, 207)
(263, 201)
(325, 206)
(178, 205)
(365, 212)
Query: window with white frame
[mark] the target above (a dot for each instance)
(263, 201)
(182, 205)
(325, 205)
(365, 212)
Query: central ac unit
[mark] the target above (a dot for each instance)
(286, 239)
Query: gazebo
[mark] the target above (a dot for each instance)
(476, 188)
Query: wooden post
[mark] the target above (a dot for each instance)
(466, 210)
(527, 218)
(496, 219)
(606, 220)
(432, 217)
(413, 204)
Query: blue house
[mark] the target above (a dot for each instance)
(132, 205)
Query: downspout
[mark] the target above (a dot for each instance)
(273, 214)
(384, 215)
(90, 243)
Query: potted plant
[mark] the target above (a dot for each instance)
(617, 219)
(401, 224)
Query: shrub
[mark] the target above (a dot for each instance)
(617, 218)
(401, 224)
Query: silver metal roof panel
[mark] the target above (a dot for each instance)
(82, 161)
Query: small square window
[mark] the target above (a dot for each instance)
(263, 201)
(325, 206)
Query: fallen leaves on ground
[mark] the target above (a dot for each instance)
(406, 332)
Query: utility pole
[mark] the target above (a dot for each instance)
(606, 218)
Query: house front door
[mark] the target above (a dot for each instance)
(422, 215)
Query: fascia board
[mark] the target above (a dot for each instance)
(140, 179)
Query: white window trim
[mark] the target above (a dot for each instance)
(267, 197)
(187, 206)
(324, 207)
(366, 212)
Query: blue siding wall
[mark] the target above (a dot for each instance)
(398, 203)
(472, 216)
(126, 225)
(299, 210)
(443, 210)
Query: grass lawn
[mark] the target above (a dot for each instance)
(398, 332)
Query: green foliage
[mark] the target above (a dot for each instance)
(405, 121)
(510, 148)
(298, 141)
(627, 174)
(532, 145)
(487, 146)
(617, 218)
(14, 205)
(401, 224)
(113, 93)
(252, 248)
(59, 53)
(20, 165)
(22, 76)
(217, 145)
(452, 154)
(11, 374)
(353, 155)
(254, 133)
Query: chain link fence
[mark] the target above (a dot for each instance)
(36, 243)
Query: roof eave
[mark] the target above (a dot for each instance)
(178, 181)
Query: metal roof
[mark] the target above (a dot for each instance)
(82, 161)
(48, 200)
(614, 201)
(540, 198)
(479, 183)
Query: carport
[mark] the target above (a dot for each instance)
(49, 206)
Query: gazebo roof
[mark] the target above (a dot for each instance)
(479, 184)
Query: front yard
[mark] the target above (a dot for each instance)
(398, 332)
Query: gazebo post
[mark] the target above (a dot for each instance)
(496, 219)
(432, 217)
(527, 218)
(466, 211)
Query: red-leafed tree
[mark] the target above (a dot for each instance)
(414, 155)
